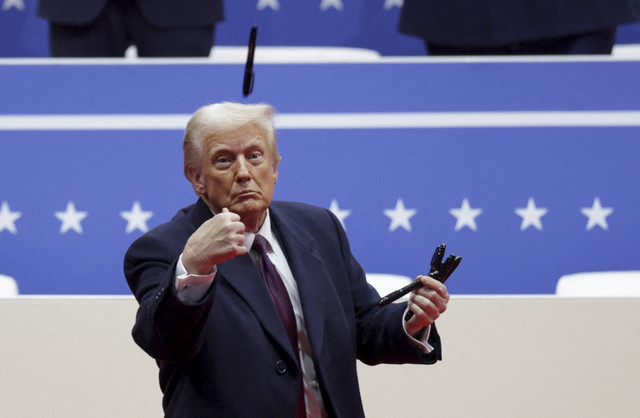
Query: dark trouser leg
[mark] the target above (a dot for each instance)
(121, 25)
(597, 42)
(104, 37)
(174, 42)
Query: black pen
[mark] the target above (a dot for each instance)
(438, 270)
(247, 83)
(436, 261)
(393, 296)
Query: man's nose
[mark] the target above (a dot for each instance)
(242, 170)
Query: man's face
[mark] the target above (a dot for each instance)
(237, 172)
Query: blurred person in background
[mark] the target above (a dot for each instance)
(107, 28)
(522, 27)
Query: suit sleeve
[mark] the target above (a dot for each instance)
(380, 335)
(165, 327)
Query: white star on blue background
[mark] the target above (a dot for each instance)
(400, 216)
(531, 215)
(263, 4)
(388, 4)
(136, 218)
(465, 216)
(341, 214)
(8, 4)
(336, 4)
(597, 215)
(8, 219)
(71, 219)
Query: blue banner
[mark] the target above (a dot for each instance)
(528, 170)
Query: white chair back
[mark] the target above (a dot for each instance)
(8, 286)
(600, 284)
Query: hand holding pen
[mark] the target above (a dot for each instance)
(439, 271)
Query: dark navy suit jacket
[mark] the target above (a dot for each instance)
(229, 355)
(501, 22)
(161, 13)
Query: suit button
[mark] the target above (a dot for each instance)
(281, 366)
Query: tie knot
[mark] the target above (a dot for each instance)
(260, 244)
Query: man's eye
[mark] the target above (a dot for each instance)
(222, 161)
(255, 155)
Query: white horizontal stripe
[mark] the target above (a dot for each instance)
(332, 120)
(456, 120)
(224, 55)
(92, 122)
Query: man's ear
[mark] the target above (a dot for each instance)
(195, 177)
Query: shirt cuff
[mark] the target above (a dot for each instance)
(422, 338)
(192, 287)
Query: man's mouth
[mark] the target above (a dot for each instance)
(246, 193)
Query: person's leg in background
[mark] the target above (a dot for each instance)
(591, 43)
(174, 42)
(598, 42)
(120, 25)
(104, 37)
(155, 41)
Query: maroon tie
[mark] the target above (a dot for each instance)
(281, 299)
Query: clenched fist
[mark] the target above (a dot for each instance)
(217, 240)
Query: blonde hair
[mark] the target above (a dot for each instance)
(216, 120)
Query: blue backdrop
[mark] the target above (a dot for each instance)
(359, 23)
(68, 183)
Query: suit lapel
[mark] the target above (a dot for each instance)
(245, 278)
(307, 268)
(309, 271)
(199, 214)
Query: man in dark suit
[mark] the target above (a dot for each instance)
(497, 27)
(215, 325)
(106, 28)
